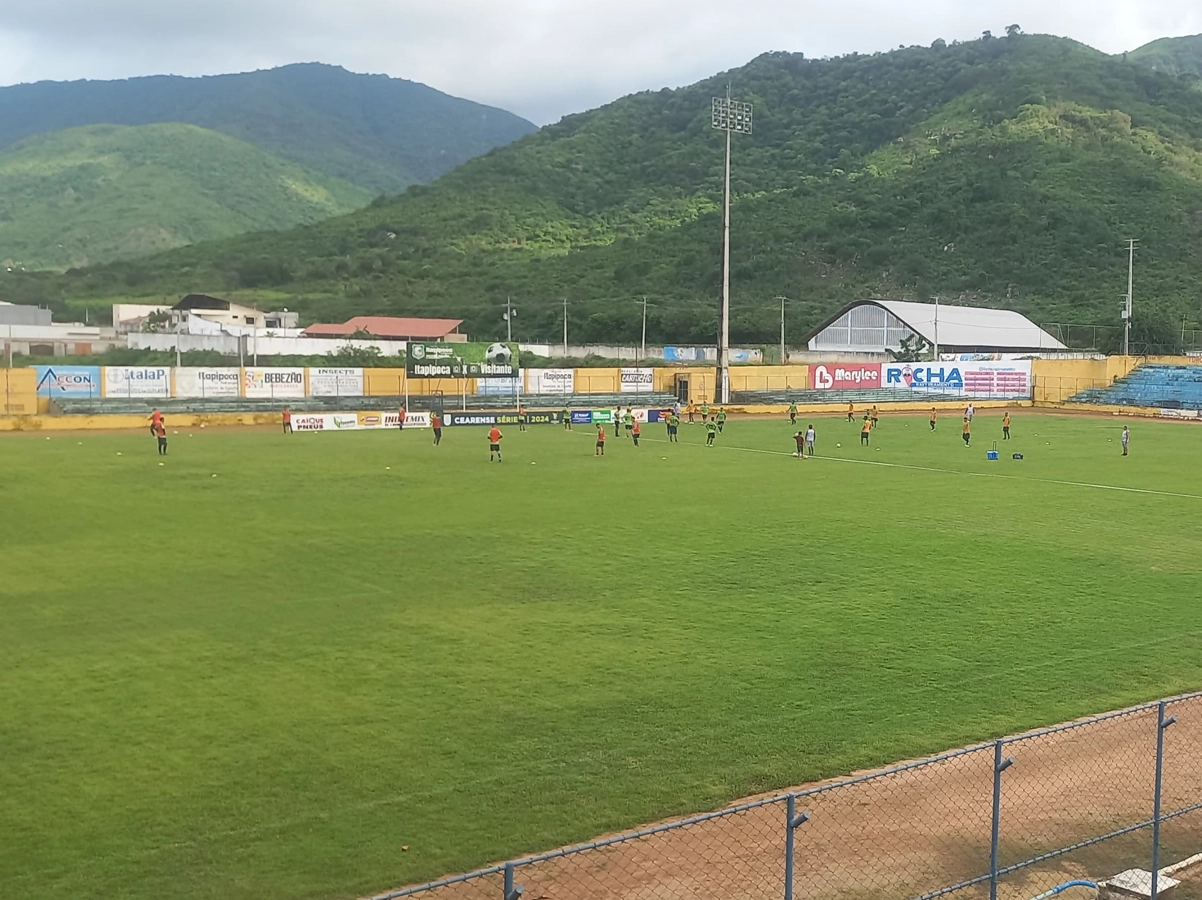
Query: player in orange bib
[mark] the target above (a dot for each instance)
(635, 431)
(600, 451)
(494, 443)
(967, 430)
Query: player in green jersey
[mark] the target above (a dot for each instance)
(711, 431)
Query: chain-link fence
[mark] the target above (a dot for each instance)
(1015, 818)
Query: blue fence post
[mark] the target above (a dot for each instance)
(1161, 724)
(511, 892)
(792, 823)
(999, 766)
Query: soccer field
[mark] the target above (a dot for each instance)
(265, 684)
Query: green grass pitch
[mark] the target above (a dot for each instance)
(264, 684)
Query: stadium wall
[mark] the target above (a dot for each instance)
(20, 393)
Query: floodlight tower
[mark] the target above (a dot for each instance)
(1127, 308)
(729, 116)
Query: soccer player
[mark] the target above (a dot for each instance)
(793, 413)
(628, 421)
(287, 420)
(851, 411)
(617, 421)
(692, 411)
(567, 419)
(494, 443)
(721, 419)
(674, 428)
(155, 418)
(967, 430)
(1126, 438)
(705, 412)
(934, 415)
(635, 432)
(800, 440)
(711, 431)
(521, 418)
(436, 424)
(160, 431)
(1006, 427)
(970, 412)
(874, 416)
(676, 409)
(811, 436)
(400, 422)
(865, 430)
(600, 451)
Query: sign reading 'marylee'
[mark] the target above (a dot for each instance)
(192, 381)
(335, 382)
(468, 360)
(845, 376)
(1006, 380)
(272, 383)
(637, 381)
(137, 381)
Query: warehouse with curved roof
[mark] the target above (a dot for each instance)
(877, 326)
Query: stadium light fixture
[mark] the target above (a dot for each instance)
(730, 116)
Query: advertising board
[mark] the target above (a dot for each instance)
(272, 383)
(497, 387)
(137, 381)
(1005, 380)
(412, 420)
(467, 360)
(551, 381)
(326, 382)
(536, 417)
(584, 416)
(637, 381)
(845, 376)
(194, 381)
(68, 381)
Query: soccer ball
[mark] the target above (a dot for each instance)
(498, 354)
(838, 446)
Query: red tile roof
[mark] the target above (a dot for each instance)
(387, 327)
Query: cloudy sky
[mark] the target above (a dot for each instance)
(539, 58)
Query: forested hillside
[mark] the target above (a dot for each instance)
(105, 192)
(1004, 171)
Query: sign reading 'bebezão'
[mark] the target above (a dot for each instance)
(468, 360)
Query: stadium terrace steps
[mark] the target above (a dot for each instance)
(1163, 386)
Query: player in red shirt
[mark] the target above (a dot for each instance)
(494, 443)
(156, 418)
(600, 451)
(287, 420)
(635, 431)
(401, 419)
(160, 431)
(436, 424)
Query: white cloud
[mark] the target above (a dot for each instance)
(540, 58)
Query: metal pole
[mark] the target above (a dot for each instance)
(508, 320)
(510, 892)
(565, 327)
(255, 345)
(1161, 724)
(936, 329)
(177, 360)
(1127, 310)
(643, 350)
(792, 823)
(999, 766)
(724, 335)
(783, 361)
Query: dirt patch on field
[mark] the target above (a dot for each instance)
(911, 832)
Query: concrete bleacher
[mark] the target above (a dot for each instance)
(1162, 386)
(859, 397)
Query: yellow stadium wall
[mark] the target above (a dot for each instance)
(1057, 380)
(392, 383)
(769, 378)
(18, 392)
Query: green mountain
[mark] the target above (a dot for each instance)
(377, 132)
(1180, 56)
(1005, 171)
(106, 192)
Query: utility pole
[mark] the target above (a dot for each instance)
(565, 327)
(936, 329)
(783, 360)
(1127, 308)
(509, 314)
(727, 115)
(643, 346)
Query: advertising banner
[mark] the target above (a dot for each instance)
(335, 382)
(193, 381)
(536, 417)
(599, 416)
(497, 387)
(468, 360)
(68, 381)
(551, 381)
(137, 381)
(311, 421)
(845, 376)
(1005, 380)
(637, 381)
(412, 420)
(271, 383)
(583, 416)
